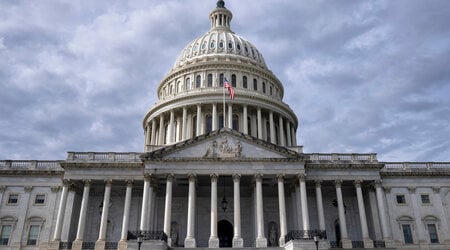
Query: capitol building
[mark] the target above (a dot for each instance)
(221, 168)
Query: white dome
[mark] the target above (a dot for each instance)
(219, 42)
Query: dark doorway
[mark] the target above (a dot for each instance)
(225, 233)
(337, 229)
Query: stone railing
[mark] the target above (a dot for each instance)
(30, 165)
(335, 157)
(297, 149)
(404, 166)
(104, 156)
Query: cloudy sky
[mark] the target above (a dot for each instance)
(362, 76)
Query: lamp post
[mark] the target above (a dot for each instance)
(316, 240)
(140, 238)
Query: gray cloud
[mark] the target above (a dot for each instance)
(362, 76)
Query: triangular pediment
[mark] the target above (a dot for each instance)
(223, 144)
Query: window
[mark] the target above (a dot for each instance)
(210, 79)
(236, 122)
(221, 125)
(255, 84)
(407, 233)
(270, 90)
(233, 80)
(13, 199)
(432, 231)
(230, 45)
(425, 199)
(188, 83)
(5, 234)
(33, 235)
(194, 125)
(221, 44)
(244, 82)
(401, 199)
(239, 46)
(221, 80)
(264, 87)
(212, 44)
(208, 123)
(39, 199)
(198, 81)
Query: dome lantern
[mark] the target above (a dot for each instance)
(220, 17)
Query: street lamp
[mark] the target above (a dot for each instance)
(316, 240)
(140, 238)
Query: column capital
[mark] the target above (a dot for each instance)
(358, 183)
(108, 181)
(280, 177)
(170, 177)
(236, 176)
(436, 189)
(301, 177)
(147, 176)
(55, 189)
(318, 183)
(377, 183)
(66, 182)
(129, 182)
(258, 176)
(338, 183)
(411, 189)
(2, 188)
(214, 176)
(192, 177)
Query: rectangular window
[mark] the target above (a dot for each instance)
(433, 233)
(5, 234)
(33, 235)
(401, 199)
(407, 234)
(425, 199)
(39, 199)
(13, 199)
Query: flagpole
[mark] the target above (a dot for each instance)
(223, 91)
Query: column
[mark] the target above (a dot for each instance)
(294, 137)
(368, 243)
(282, 205)
(281, 131)
(77, 244)
(215, 118)
(126, 216)
(144, 208)
(382, 212)
(254, 125)
(244, 119)
(259, 120)
(153, 139)
(147, 134)
(422, 235)
(230, 116)
(184, 127)
(61, 209)
(319, 201)
(190, 242)
(288, 133)
(170, 133)
(346, 243)
(101, 242)
(261, 240)
(237, 238)
(162, 130)
(304, 201)
(272, 128)
(213, 239)
(199, 120)
(168, 209)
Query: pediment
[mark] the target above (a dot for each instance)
(224, 144)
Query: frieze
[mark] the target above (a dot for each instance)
(224, 149)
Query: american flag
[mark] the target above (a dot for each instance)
(230, 89)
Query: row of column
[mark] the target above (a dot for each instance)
(190, 241)
(156, 134)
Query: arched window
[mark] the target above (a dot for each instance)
(255, 84)
(198, 81)
(179, 87)
(221, 80)
(188, 84)
(210, 79)
(236, 122)
(233, 80)
(270, 90)
(264, 87)
(244, 82)
(208, 123)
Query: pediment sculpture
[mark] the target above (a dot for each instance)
(223, 149)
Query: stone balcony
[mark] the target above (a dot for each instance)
(29, 165)
(340, 158)
(103, 157)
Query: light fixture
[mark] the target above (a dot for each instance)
(224, 203)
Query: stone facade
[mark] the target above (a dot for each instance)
(217, 174)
